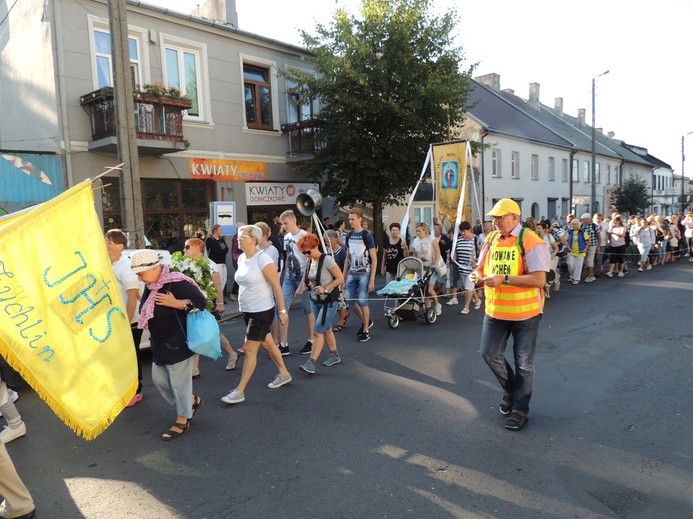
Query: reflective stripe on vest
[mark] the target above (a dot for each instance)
(506, 301)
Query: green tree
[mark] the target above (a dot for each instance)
(390, 83)
(632, 196)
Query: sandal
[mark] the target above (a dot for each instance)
(341, 326)
(197, 402)
(172, 433)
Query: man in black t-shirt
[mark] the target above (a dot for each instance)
(217, 251)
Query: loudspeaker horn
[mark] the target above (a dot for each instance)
(309, 202)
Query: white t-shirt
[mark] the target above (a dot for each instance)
(254, 292)
(127, 280)
(273, 253)
(423, 249)
(295, 259)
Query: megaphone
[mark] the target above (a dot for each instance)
(309, 202)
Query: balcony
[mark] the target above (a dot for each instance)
(305, 138)
(158, 122)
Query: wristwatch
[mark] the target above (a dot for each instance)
(282, 311)
(506, 281)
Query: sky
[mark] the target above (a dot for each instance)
(646, 99)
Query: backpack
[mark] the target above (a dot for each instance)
(330, 297)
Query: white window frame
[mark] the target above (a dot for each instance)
(515, 165)
(169, 41)
(576, 170)
(534, 167)
(608, 174)
(552, 169)
(314, 104)
(423, 212)
(246, 59)
(139, 34)
(496, 163)
(564, 170)
(597, 172)
(586, 172)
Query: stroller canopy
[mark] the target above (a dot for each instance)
(410, 265)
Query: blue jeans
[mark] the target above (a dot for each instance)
(324, 315)
(357, 288)
(289, 288)
(494, 339)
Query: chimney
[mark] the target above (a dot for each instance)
(581, 116)
(610, 135)
(558, 105)
(534, 95)
(509, 91)
(490, 80)
(223, 11)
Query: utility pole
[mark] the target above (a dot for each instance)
(593, 183)
(130, 189)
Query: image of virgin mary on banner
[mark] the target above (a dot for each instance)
(450, 166)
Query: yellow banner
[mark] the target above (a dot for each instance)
(450, 166)
(227, 170)
(62, 322)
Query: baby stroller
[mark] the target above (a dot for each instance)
(408, 292)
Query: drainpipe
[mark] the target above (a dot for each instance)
(62, 93)
(570, 185)
(483, 175)
(652, 191)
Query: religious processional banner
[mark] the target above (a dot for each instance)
(63, 326)
(450, 167)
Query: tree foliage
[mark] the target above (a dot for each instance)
(390, 83)
(632, 196)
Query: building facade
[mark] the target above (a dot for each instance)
(215, 119)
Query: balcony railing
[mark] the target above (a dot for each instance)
(158, 121)
(305, 137)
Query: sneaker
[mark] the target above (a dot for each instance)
(465, 311)
(333, 359)
(609, 275)
(621, 274)
(279, 381)
(308, 366)
(370, 324)
(136, 399)
(8, 434)
(589, 279)
(649, 267)
(439, 309)
(477, 305)
(516, 421)
(453, 301)
(640, 269)
(241, 351)
(575, 282)
(12, 396)
(196, 374)
(556, 285)
(307, 348)
(506, 404)
(284, 349)
(231, 364)
(364, 336)
(234, 397)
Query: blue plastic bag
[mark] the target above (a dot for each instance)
(203, 334)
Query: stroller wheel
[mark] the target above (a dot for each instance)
(393, 321)
(431, 315)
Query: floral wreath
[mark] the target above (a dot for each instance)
(199, 270)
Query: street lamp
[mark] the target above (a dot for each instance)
(594, 138)
(683, 162)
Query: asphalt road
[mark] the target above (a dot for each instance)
(408, 426)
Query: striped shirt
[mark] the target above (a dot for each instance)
(465, 255)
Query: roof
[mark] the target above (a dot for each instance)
(499, 116)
